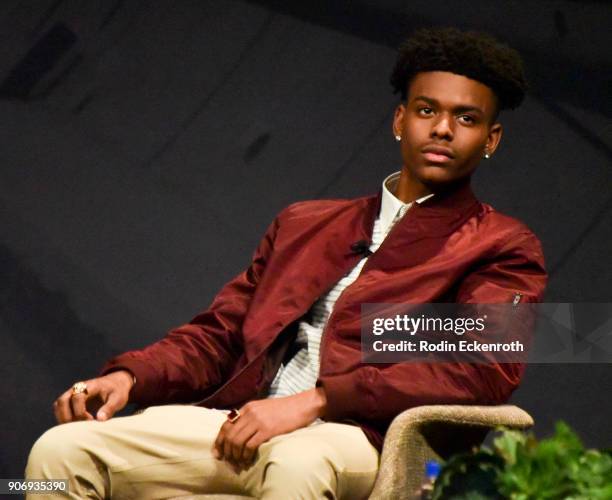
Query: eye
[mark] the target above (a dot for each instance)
(425, 111)
(467, 119)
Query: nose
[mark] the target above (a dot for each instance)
(442, 128)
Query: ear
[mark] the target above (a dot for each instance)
(398, 119)
(493, 138)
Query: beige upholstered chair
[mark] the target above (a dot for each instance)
(424, 433)
(435, 432)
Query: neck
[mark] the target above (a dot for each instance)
(409, 189)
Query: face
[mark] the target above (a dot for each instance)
(446, 126)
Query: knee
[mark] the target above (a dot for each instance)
(56, 447)
(311, 466)
(303, 462)
(298, 473)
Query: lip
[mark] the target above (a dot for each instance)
(437, 154)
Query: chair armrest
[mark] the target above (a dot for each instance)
(435, 432)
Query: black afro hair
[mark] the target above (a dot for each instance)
(475, 55)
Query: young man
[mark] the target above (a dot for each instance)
(280, 345)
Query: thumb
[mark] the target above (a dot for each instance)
(108, 409)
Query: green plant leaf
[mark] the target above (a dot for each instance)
(521, 468)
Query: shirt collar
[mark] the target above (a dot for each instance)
(390, 205)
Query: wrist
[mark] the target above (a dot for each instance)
(320, 401)
(126, 377)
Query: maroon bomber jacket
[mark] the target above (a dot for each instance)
(450, 248)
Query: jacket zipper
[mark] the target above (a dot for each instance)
(367, 262)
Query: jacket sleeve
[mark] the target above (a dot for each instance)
(197, 356)
(378, 392)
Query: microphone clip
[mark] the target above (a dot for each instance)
(361, 247)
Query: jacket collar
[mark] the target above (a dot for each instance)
(453, 201)
(439, 214)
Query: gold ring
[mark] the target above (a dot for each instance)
(233, 415)
(79, 388)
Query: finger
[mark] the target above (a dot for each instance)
(227, 447)
(63, 408)
(220, 441)
(78, 401)
(79, 410)
(112, 404)
(250, 450)
(59, 410)
(240, 440)
(231, 430)
(232, 445)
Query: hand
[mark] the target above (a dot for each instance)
(107, 394)
(263, 419)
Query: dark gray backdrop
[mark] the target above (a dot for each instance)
(147, 145)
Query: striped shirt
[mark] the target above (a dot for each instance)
(300, 373)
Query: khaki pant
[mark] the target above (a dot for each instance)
(165, 452)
